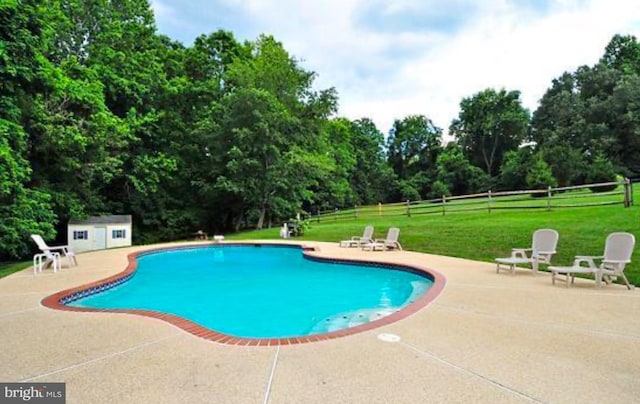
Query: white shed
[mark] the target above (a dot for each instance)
(99, 232)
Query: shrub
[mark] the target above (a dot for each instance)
(601, 170)
(438, 189)
(540, 176)
(297, 227)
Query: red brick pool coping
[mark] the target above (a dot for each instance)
(54, 301)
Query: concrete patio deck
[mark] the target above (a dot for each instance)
(487, 338)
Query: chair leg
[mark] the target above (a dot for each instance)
(71, 260)
(626, 281)
(57, 264)
(599, 277)
(37, 263)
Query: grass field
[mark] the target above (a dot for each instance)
(483, 236)
(7, 268)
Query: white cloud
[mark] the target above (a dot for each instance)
(165, 13)
(387, 74)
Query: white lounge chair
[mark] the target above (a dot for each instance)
(389, 243)
(543, 246)
(617, 254)
(64, 250)
(357, 241)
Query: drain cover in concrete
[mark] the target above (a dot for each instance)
(388, 337)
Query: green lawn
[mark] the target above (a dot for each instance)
(7, 268)
(483, 236)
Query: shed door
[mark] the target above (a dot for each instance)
(99, 238)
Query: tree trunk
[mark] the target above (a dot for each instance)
(238, 223)
(263, 213)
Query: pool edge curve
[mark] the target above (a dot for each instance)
(58, 300)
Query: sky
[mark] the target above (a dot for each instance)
(389, 59)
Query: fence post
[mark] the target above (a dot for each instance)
(355, 211)
(489, 193)
(318, 215)
(548, 198)
(379, 208)
(408, 208)
(335, 215)
(444, 201)
(627, 193)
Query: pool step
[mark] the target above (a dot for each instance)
(350, 319)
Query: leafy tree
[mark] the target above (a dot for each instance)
(567, 163)
(623, 54)
(457, 174)
(407, 191)
(371, 175)
(489, 124)
(22, 210)
(624, 122)
(514, 169)
(439, 189)
(77, 141)
(560, 117)
(333, 188)
(269, 135)
(539, 175)
(599, 171)
(413, 145)
(412, 150)
(595, 110)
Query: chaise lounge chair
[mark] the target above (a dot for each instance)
(542, 249)
(356, 241)
(617, 254)
(64, 250)
(389, 243)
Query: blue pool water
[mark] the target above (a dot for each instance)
(261, 291)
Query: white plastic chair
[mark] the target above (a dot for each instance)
(389, 243)
(618, 249)
(284, 231)
(64, 249)
(543, 246)
(357, 241)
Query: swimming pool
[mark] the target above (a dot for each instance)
(259, 291)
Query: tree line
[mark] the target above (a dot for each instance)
(100, 114)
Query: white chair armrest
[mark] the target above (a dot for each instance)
(595, 257)
(580, 259)
(520, 252)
